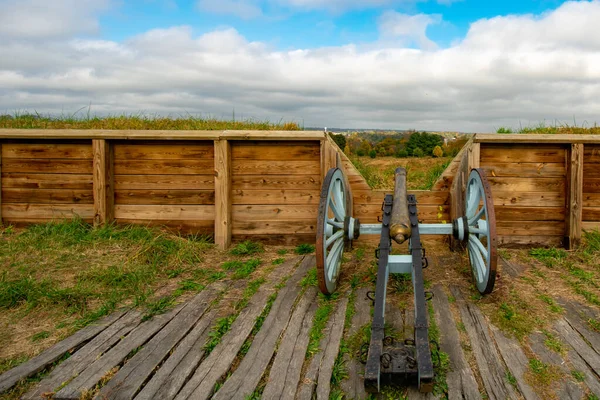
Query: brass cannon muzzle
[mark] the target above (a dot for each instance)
(400, 229)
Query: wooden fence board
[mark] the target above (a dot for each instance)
(38, 165)
(275, 197)
(591, 200)
(242, 182)
(536, 228)
(538, 153)
(47, 181)
(270, 227)
(591, 213)
(274, 167)
(46, 211)
(174, 212)
(47, 196)
(425, 212)
(528, 199)
(164, 151)
(510, 213)
(526, 184)
(164, 167)
(149, 197)
(180, 226)
(590, 225)
(591, 185)
(276, 151)
(47, 150)
(514, 241)
(165, 182)
(525, 169)
(272, 212)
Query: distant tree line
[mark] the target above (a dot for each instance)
(414, 144)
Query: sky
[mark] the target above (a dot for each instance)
(446, 65)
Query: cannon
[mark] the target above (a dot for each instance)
(410, 360)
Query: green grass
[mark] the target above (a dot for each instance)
(247, 248)
(550, 257)
(319, 321)
(555, 308)
(441, 359)
(141, 122)
(278, 261)
(310, 279)
(304, 249)
(241, 269)
(594, 324)
(258, 324)
(511, 379)
(544, 374)
(578, 375)
(36, 337)
(553, 343)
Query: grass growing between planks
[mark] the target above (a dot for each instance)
(58, 277)
(139, 122)
(422, 173)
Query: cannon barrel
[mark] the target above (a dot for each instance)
(400, 229)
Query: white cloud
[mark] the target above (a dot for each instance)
(43, 19)
(408, 29)
(506, 70)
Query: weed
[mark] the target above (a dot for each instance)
(553, 343)
(218, 330)
(550, 257)
(511, 379)
(282, 252)
(354, 281)
(40, 336)
(310, 279)
(440, 386)
(241, 269)
(551, 303)
(158, 307)
(578, 375)
(191, 285)
(401, 283)
(359, 254)
(247, 247)
(543, 374)
(304, 249)
(278, 261)
(320, 320)
(594, 324)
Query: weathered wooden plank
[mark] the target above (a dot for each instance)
(590, 225)
(46, 211)
(287, 366)
(326, 162)
(592, 152)
(276, 151)
(512, 213)
(514, 241)
(275, 197)
(354, 386)
(528, 199)
(576, 315)
(591, 199)
(329, 345)
(567, 388)
(591, 185)
(9, 378)
(460, 378)
(574, 339)
(223, 188)
(218, 362)
(47, 196)
(512, 267)
(516, 361)
(330, 352)
(47, 181)
(150, 197)
(38, 165)
(579, 364)
(244, 380)
(278, 227)
(534, 138)
(174, 212)
(274, 167)
(278, 239)
(177, 369)
(526, 184)
(539, 153)
(525, 169)
(591, 213)
(47, 150)
(492, 370)
(1, 188)
(126, 383)
(104, 194)
(591, 169)
(164, 167)
(75, 364)
(536, 228)
(475, 155)
(180, 226)
(574, 196)
(424, 197)
(370, 212)
(97, 369)
(164, 151)
(165, 182)
(273, 212)
(242, 182)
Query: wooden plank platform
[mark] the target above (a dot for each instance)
(123, 357)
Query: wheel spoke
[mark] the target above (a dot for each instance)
(333, 258)
(478, 231)
(479, 263)
(336, 212)
(479, 245)
(477, 216)
(338, 195)
(333, 238)
(337, 224)
(472, 200)
(473, 265)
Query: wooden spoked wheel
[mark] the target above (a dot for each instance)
(481, 220)
(331, 229)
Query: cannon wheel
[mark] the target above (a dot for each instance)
(331, 229)
(482, 242)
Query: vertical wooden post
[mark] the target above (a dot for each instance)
(1, 224)
(104, 194)
(574, 196)
(327, 161)
(474, 156)
(222, 194)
